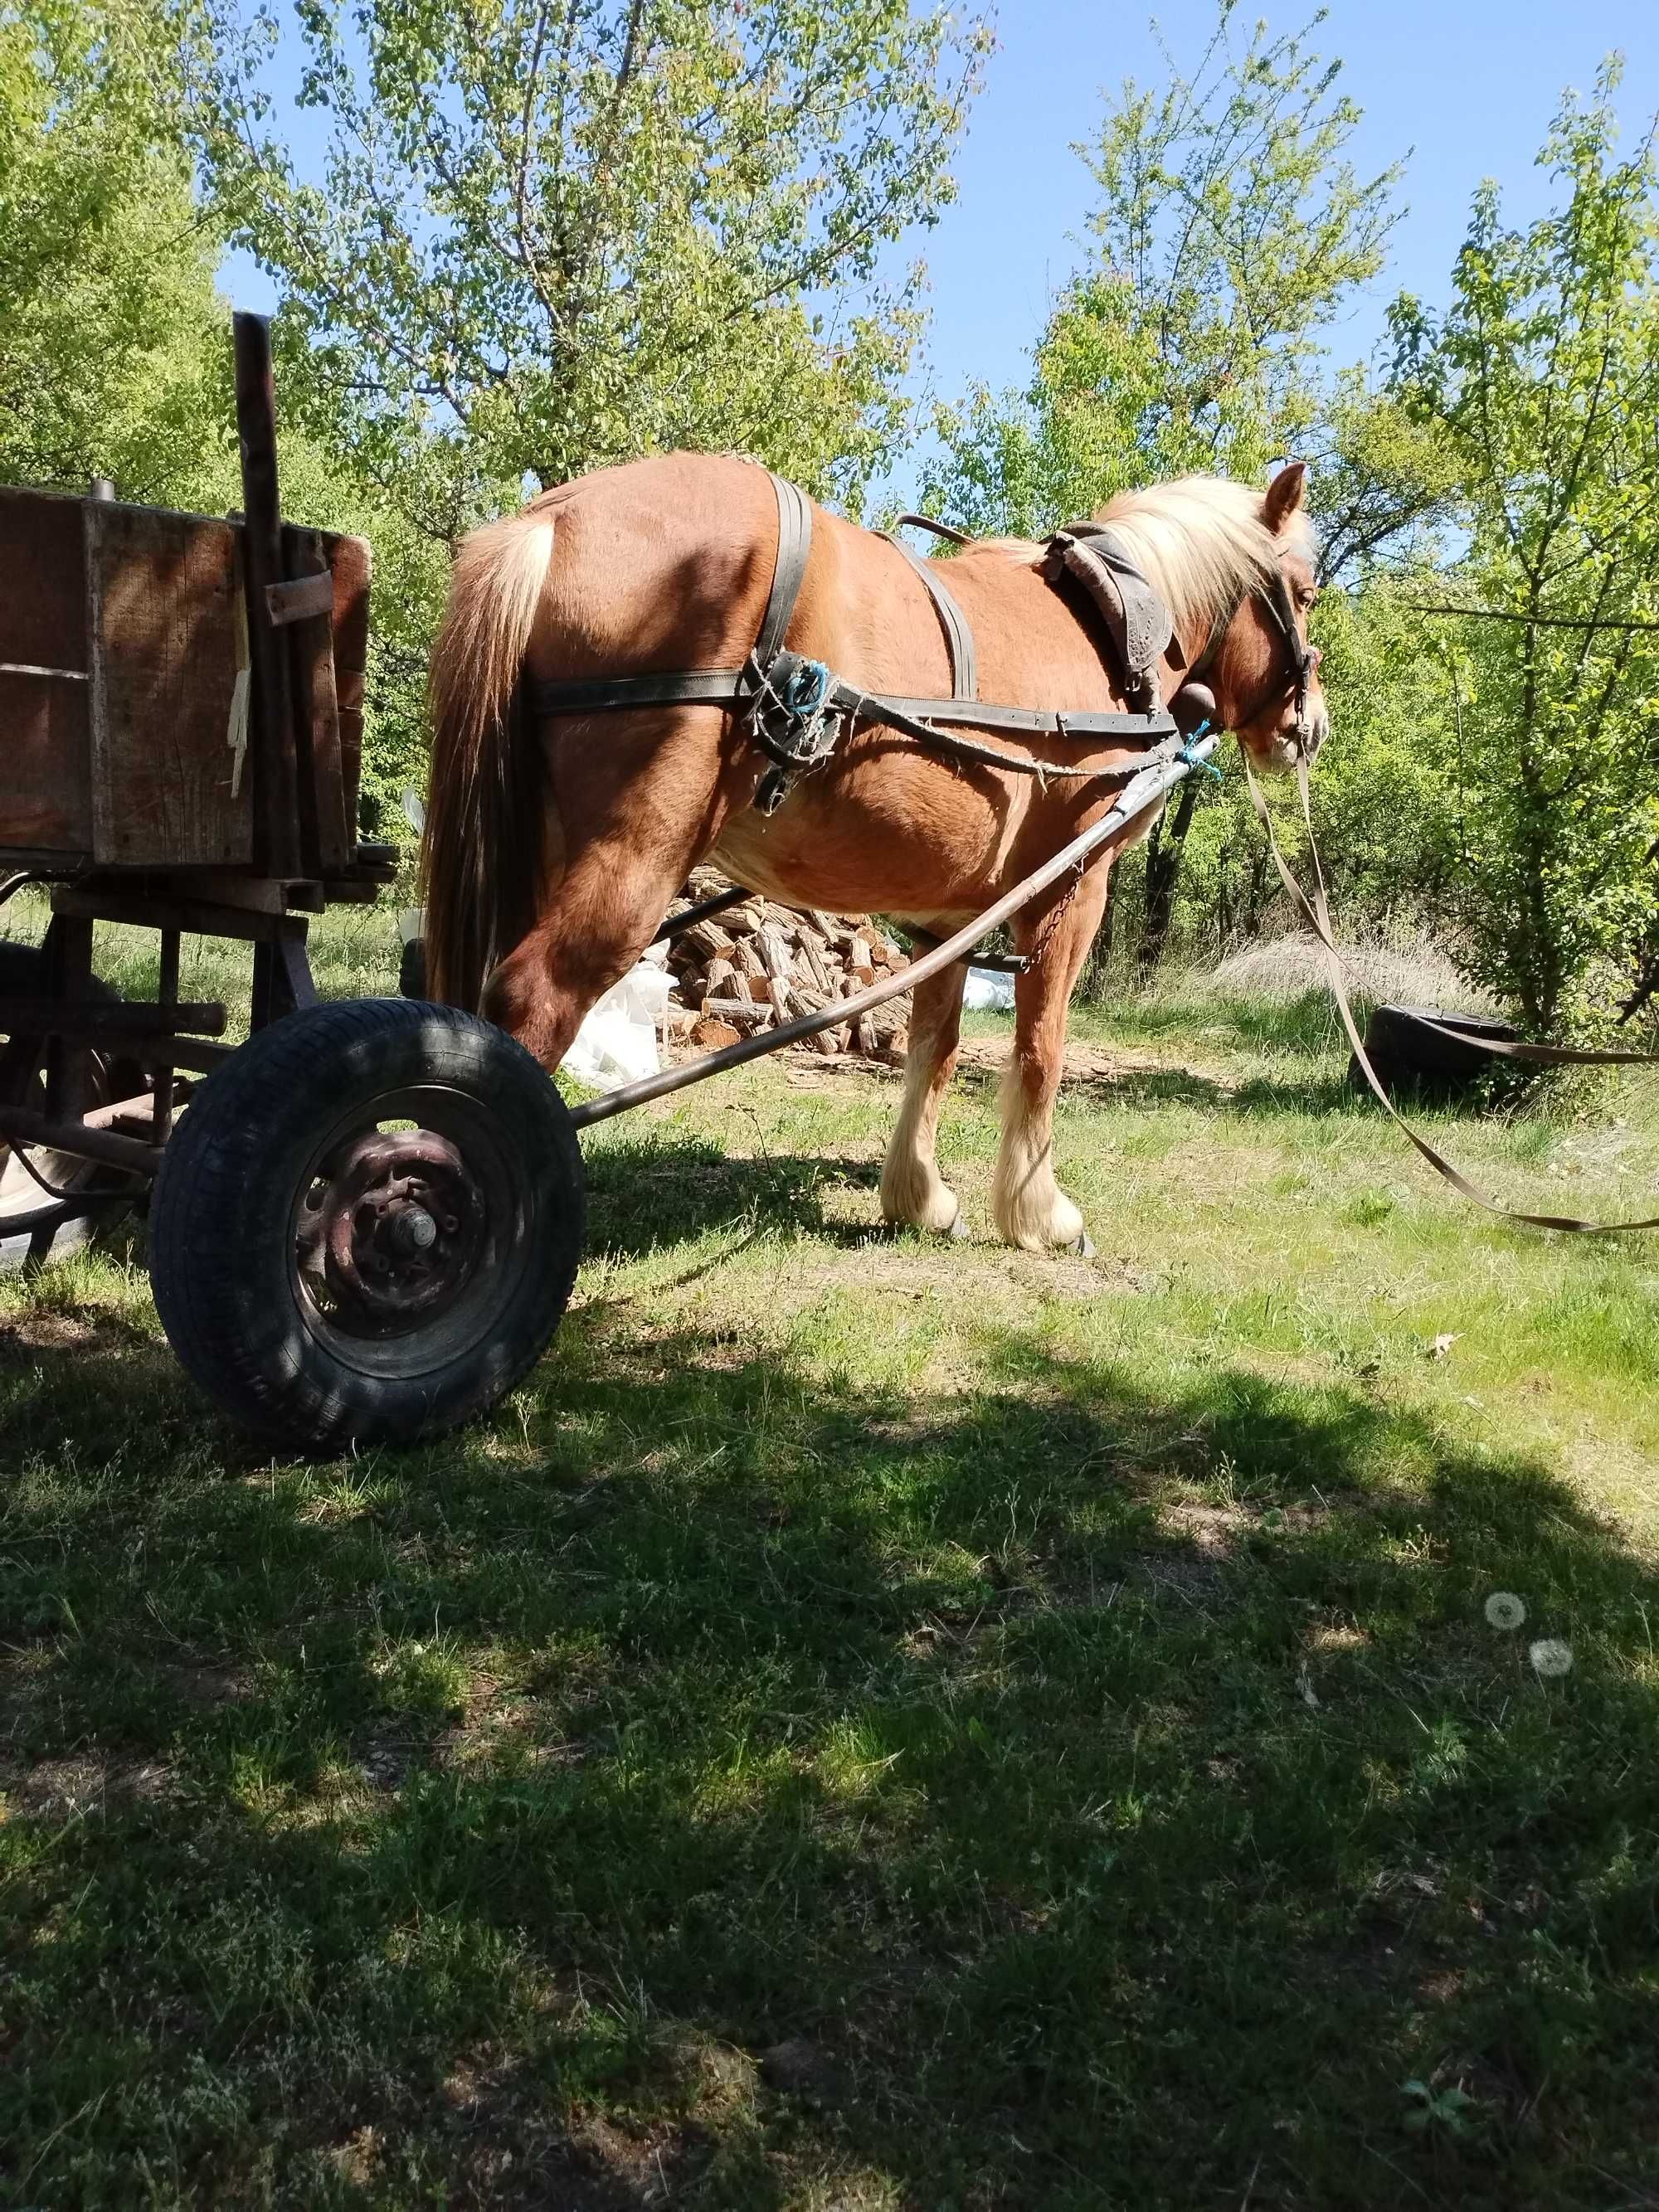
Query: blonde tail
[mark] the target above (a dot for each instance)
(481, 856)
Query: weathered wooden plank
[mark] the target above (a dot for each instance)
(349, 564)
(315, 701)
(46, 762)
(163, 594)
(43, 560)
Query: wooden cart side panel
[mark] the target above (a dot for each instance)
(163, 609)
(46, 763)
(349, 559)
(42, 582)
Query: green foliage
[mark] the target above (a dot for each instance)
(1542, 379)
(555, 234)
(1231, 230)
(111, 332)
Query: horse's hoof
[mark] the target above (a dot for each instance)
(1083, 1248)
(958, 1232)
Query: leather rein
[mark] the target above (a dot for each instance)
(798, 711)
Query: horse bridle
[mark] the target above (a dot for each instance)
(1273, 599)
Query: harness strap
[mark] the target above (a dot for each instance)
(959, 638)
(729, 687)
(770, 671)
(795, 546)
(1038, 721)
(896, 715)
(947, 531)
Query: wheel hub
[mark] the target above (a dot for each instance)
(393, 1230)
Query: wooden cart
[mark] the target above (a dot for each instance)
(367, 1224)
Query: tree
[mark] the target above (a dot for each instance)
(1542, 377)
(1230, 231)
(111, 337)
(553, 233)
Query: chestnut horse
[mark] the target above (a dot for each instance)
(555, 846)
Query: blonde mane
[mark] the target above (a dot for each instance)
(1200, 541)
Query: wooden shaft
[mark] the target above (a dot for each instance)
(276, 838)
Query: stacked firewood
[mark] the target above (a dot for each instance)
(758, 965)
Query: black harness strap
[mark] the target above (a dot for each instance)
(795, 546)
(798, 710)
(959, 638)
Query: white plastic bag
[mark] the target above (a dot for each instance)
(988, 990)
(617, 1042)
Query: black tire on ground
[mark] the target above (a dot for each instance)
(1410, 1055)
(36, 1229)
(368, 1225)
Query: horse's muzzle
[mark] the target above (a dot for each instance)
(1311, 733)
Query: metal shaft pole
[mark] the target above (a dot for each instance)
(1142, 791)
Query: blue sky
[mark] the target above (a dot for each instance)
(1464, 87)
(1468, 85)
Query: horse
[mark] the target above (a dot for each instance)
(555, 843)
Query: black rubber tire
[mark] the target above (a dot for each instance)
(1413, 1058)
(36, 1230)
(237, 1170)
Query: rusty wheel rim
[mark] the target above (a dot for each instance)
(407, 1232)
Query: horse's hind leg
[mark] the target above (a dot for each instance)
(912, 1188)
(1032, 1209)
(628, 825)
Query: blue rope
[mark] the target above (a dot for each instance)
(808, 687)
(1187, 755)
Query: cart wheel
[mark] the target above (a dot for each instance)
(367, 1224)
(36, 1228)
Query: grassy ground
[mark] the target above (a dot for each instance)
(873, 1724)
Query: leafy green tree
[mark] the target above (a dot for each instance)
(1231, 230)
(111, 337)
(553, 233)
(1542, 377)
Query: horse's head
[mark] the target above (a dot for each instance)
(1262, 671)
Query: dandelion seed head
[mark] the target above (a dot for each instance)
(1505, 1610)
(1550, 1656)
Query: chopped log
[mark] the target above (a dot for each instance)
(714, 1034)
(773, 949)
(745, 1012)
(710, 940)
(812, 961)
(762, 963)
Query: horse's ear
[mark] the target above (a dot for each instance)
(1284, 495)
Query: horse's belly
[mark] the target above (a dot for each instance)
(895, 838)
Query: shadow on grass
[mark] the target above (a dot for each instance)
(1107, 1791)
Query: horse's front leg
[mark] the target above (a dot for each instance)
(912, 1189)
(1032, 1209)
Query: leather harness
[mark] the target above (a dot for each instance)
(798, 711)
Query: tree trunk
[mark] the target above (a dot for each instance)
(1162, 870)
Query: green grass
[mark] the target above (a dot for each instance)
(1052, 1700)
